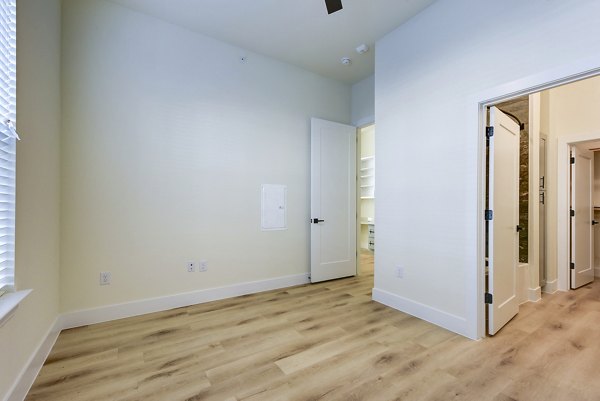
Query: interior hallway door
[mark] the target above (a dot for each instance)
(582, 215)
(503, 224)
(332, 200)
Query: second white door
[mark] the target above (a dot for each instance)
(332, 200)
(582, 215)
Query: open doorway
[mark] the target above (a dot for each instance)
(366, 199)
(541, 196)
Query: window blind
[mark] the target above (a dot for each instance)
(8, 138)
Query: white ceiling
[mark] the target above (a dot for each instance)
(298, 32)
(590, 145)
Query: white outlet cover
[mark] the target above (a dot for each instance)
(191, 267)
(105, 278)
(203, 265)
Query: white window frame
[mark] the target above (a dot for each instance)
(9, 299)
(8, 138)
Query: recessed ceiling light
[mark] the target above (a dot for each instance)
(346, 61)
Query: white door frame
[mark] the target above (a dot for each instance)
(567, 73)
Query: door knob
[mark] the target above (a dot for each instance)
(317, 221)
(594, 222)
(519, 228)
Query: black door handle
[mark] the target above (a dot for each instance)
(519, 228)
(317, 221)
(594, 222)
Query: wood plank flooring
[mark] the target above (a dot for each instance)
(327, 341)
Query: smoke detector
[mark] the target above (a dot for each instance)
(362, 49)
(346, 61)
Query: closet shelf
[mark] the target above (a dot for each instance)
(367, 177)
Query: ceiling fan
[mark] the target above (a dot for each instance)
(333, 6)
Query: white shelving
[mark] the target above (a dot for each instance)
(367, 177)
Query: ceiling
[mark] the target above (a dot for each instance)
(298, 32)
(590, 145)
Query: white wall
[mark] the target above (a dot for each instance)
(363, 102)
(167, 139)
(428, 73)
(367, 141)
(37, 220)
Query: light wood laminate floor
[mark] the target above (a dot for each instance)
(327, 341)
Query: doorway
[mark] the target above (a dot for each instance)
(581, 208)
(560, 181)
(366, 199)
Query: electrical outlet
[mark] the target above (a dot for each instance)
(399, 272)
(203, 265)
(105, 278)
(191, 267)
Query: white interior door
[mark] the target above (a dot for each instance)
(503, 235)
(582, 214)
(333, 200)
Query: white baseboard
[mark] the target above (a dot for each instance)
(551, 287)
(25, 380)
(135, 308)
(597, 272)
(112, 312)
(534, 294)
(432, 315)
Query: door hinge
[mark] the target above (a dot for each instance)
(489, 298)
(489, 215)
(572, 213)
(572, 266)
(489, 132)
(572, 160)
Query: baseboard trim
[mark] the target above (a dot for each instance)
(25, 380)
(135, 308)
(551, 287)
(534, 294)
(446, 320)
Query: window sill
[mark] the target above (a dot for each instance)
(9, 303)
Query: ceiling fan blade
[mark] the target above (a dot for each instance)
(333, 6)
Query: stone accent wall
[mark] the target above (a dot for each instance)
(520, 108)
